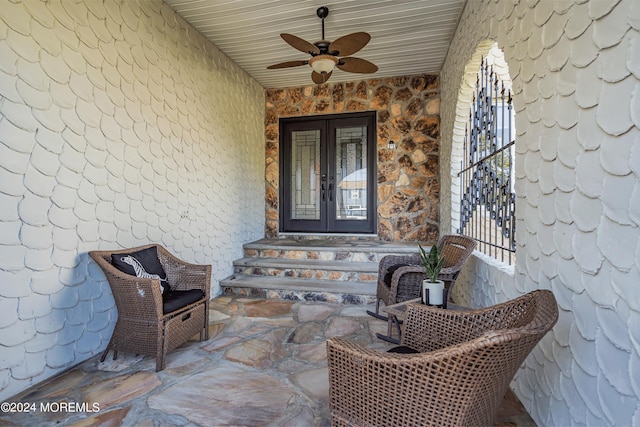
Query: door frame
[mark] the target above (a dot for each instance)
(368, 226)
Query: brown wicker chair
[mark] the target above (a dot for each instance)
(142, 326)
(406, 281)
(464, 364)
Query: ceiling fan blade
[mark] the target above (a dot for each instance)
(320, 78)
(356, 65)
(287, 64)
(349, 44)
(300, 44)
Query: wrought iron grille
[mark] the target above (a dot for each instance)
(487, 205)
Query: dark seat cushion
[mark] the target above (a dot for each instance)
(403, 349)
(175, 300)
(392, 269)
(143, 264)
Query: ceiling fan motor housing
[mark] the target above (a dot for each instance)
(323, 46)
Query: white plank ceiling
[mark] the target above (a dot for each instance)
(407, 36)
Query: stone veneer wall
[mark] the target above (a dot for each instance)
(119, 125)
(576, 77)
(408, 110)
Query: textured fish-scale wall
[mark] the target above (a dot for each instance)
(576, 76)
(119, 125)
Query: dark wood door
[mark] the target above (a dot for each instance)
(328, 174)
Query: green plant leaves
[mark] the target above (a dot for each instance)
(432, 262)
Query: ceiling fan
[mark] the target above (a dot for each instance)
(326, 55)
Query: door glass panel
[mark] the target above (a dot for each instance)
(351, 173)
(305, 174)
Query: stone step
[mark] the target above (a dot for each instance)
(346, 292)
(307, 269)
(341, 269)
(327, 249)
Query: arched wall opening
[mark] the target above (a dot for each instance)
(490, 221)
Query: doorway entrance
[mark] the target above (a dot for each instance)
(327, 174)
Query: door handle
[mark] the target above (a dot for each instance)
(331, 192)
(322, 191)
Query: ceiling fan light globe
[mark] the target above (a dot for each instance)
(323, 64)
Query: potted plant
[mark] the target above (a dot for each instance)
(432, 288)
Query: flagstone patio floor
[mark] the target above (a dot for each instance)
(264, 365)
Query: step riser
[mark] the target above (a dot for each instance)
(311, 274)
(301, 295)
(315, 255)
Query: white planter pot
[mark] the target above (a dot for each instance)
(435, 292)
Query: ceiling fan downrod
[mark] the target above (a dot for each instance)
(322, 13)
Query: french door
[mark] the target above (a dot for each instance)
(328, 174)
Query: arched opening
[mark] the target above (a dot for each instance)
(482, 160)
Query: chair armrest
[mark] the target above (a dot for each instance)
(390, 260)
(418, 270)
(184, 276)
(427, 328)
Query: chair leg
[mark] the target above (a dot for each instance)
(106, 351)
(160, 349)
(204, 333)
(160, 359)
(160, 364)
(104, 354)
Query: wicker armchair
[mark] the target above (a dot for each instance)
(406, 281)
(149, 322)
(465, 363)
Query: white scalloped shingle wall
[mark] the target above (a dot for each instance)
(576, 75)
(119, 125)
